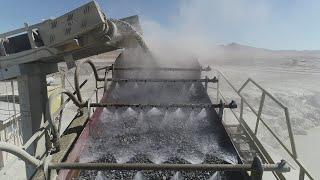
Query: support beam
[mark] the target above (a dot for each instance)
(33, 99)
(32, 87)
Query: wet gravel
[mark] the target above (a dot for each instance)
(142, 158)
(152, 135)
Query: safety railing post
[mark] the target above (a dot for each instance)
(241, 108)
(301, 174)
(259, 112)
(257, 172)
(291, 151)
(218, 86)
(97, 92)
(292, 143)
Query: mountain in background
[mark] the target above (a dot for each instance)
(235, 50)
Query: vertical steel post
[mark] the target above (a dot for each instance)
(97, 100)
(63, 86)
(2, 48)
(15, 119)
(292, 143)
(259, 112)
(301, 174)
(218, 86)
(257, 170)
(221, 109)
(1, 152)
(13, 99)
(241, 108)
(33, 98)
(206, 84)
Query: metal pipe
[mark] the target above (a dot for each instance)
(158, 69)
(63, 86)
(20, 153)
(173, 167)
(34, 138)
(230, 105)
(267, 93)
(259, 112)
(134, 33)
(74, 93)
(76, 76)
(213, 80)
(54, 129)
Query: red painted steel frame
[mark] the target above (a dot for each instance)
(80, 144)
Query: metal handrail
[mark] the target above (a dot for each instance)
(286, 112)
(55, 131)
(303, 171)
(78, 101)
(278, 167)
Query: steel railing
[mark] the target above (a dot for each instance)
(77, 100)
(303, 172)
(49, 129)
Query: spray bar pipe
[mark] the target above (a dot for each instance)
(160, 69)
(231, 105)
(279, 167)
(213, 80)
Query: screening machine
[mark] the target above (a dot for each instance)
(155, 120)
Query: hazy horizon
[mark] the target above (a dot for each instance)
(277, 25)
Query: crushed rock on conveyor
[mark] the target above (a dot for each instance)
(157, 135)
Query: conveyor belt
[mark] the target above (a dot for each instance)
(160, 134)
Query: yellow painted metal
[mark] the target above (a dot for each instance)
(57, 101)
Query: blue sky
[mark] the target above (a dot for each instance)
(273, 24)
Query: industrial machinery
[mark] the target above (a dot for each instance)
(154, 120)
